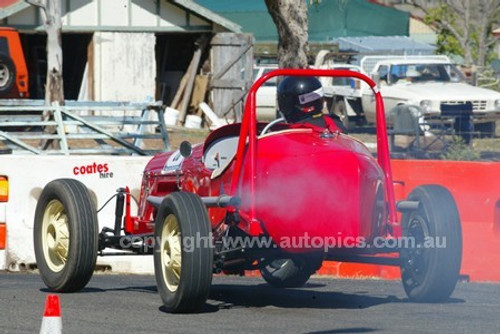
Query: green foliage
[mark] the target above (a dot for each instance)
(446, 42)
(460, 151)
(448, 45)
(440, 14)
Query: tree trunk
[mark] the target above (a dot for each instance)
(488, 13)
(467, 33)
(290, 18)
(54, 90)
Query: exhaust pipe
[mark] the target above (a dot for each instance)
(221, 201)
(407, 205)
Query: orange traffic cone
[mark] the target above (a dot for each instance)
(51, 322)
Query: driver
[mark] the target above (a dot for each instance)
(300, 100)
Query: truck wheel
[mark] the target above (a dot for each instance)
(291, 273)
(183, 274)
(430, 268)
(340, 110)
(7, 73)
(486, 130)
(65, 235)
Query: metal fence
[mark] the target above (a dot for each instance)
(28, 126)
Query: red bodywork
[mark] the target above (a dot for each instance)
(293, 182)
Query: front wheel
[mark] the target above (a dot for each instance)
(65, 235)
(430, 267)
(486, 130)
(183, 256)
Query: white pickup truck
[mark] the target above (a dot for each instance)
(425, 81)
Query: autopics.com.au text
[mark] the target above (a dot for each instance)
(189, 244)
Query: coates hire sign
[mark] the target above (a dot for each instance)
(102, 169)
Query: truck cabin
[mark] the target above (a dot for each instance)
(418, 73)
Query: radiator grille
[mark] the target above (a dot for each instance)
(478, 105)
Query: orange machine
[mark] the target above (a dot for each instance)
(13, 69)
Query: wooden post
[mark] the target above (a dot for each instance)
(199, 92)
(90, 66)
(51, 13)
(191, 75)
(180, 90)
(54, 89)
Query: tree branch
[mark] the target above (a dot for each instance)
(491, 42)
(458, 7)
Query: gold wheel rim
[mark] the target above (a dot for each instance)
(55, 236)
(171, 252)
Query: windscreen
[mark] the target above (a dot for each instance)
(418, 73)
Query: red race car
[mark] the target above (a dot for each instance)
(280, 198)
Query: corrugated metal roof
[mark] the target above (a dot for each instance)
(9, 7)
(208, 14)
(230, 6)
(374, 44)
(7, 3)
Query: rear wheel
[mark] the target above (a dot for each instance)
(7, 73)
(183, 270)
(65, 235)
(292, 272)
(430, 268)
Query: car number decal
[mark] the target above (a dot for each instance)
(174, 162)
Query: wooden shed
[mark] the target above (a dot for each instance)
(132, 50)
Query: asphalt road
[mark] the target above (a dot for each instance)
(130, 304)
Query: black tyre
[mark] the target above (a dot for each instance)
(430, 268)
(486, 130)
(7, 74)
(65, 235)
(292, 272)
(183, 271)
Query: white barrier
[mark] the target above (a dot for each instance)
(29, 174)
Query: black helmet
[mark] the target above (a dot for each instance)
(300, 98)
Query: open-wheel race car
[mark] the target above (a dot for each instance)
(277, 197)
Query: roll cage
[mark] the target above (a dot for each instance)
(248, 136)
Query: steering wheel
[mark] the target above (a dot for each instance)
(271, 124)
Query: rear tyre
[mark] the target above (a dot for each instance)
(65, 235)
(293, 272)
(430, 269)
(7, 74)
(183, 274)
